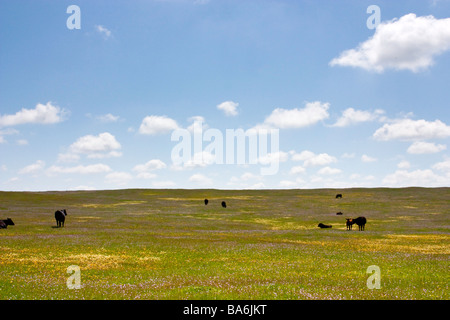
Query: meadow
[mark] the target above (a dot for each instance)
(166, 244)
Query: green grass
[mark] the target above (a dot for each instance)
(166, 244)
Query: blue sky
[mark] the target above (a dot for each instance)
(95, 107)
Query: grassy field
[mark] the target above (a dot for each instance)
(166, 244)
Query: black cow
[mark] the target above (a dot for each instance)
(360, 221)
(339, 213)
(224, 204)
(5, 223)
(339, 196)
(206, 201)
(60, 217)
(322, 226)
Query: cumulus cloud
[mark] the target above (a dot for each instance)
(366, 158)
(351, 116)
(409, 43)
(153, 125)
(108, 118)
(312, 113)
(41, 114)
(273, 157)
(443, 166)
(404, 164)
(408, 129)
(145, 170)
(104, 145)
(33, 168)
(422, 147)
(309, 158)
(229, 108)
(88, 169)
(297, 170)
(424, 178)
(200, 179)
(198, 124)
(200, 159)
(154, 164)
(106, 33)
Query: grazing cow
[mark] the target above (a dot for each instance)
(60, 217)
(339, 196)
(5, 223)
(349, 224)
(339, 213)
(206, 201)
(322, 226)
(360, 221)
(224, 204)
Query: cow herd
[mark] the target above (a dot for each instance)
(360, 221)
(60, 217)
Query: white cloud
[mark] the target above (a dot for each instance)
(274, 157)
(33, 168)
(312, 113)
(309, 158)
(329, 171)
(89, 169)
(348, 155)
(408, 43)
(153, 125)
(145, 170)
(197, 125)
(297, 170)
(422, 147)
(68, 157)
(443, 166)
(423, 178)
(108, 118)
(118, 178)
(41, 114)
(246, 176)
(200, 179)
(104, 145)
(103, 31)
(404, 165)
(229, 108)
(366, 158)
(407, 129)
(351, 116)
(200, 159)
(154, 164)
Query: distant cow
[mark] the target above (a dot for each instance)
(5, 223)
(339, 213)
(322, 226)
(206, 201)
(224, 204)
(360, 221)
(60, 217)
(339, 196)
